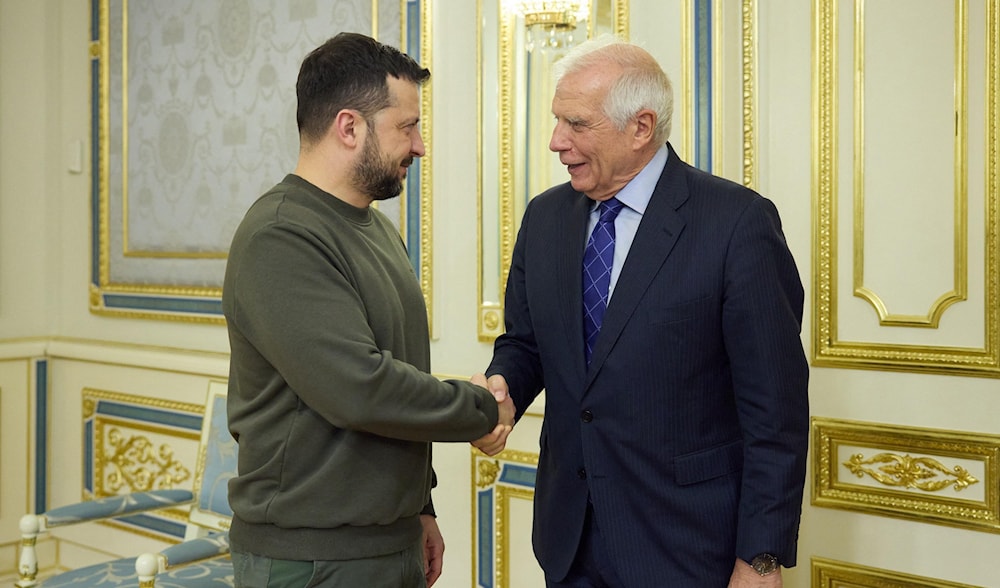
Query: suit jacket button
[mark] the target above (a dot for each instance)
(586, 416)
(582, 473)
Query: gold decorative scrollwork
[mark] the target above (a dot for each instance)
(89, 406)
(839, 449)
(136, 465)
(488, 472)
(921, 473)
(748, 14)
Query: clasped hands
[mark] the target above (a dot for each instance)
(494, 442)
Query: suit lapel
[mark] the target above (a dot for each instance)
(658, 232)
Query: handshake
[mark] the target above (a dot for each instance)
(494, 442)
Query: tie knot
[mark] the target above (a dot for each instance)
(609, 209)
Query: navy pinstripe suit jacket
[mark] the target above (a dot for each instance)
(688, 431)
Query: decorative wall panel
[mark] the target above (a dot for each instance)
(193, 119)
(828, 573)
(515, 124)
(928, 475)
(503, 489)
(720, 43)
(907, 185)
(135, 444)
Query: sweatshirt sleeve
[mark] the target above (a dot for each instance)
(296, 302)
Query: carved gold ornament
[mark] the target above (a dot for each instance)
(136, 465)
(921, 473)
(904, 474)
(488, 471)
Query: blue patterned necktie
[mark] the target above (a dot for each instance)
(597, 261)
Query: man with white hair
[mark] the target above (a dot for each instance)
(660, 309)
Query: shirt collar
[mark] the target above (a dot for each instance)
(639, 190)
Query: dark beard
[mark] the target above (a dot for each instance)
(374, 175)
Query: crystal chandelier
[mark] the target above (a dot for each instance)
(551, 24)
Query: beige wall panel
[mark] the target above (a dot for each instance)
(961, 404)
(909, 178)
(45, 218)
(657, 25)
(965, 405)
(783, 97)
(905, 151)
(907, 183)
(15, 383)
(455, 77)
(25, 50)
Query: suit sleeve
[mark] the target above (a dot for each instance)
(762, 318)
(515, 353)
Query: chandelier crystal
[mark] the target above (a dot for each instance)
(551, 24)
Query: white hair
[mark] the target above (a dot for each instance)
(642, 84)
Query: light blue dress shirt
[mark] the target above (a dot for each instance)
(635, 196)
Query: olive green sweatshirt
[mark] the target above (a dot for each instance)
(330, 395)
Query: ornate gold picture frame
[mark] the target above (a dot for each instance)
(193, 116)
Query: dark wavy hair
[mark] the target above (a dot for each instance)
(348, 71)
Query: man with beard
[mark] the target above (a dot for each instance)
(330, 395)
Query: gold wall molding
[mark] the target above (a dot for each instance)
(749, 108)
(136, 443)
(686, 144)
(960, 163)
(501, 202)
(91, 396)
(929, 475)
(828, 573)
(504, 556)
(878, 349)
(159, 169)
(497, 482)
(426, 162)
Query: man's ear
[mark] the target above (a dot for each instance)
(346, 127)
(645, 126)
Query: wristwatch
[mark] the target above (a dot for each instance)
(764, 564)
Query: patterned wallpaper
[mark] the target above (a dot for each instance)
(201, 105)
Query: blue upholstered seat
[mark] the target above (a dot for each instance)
(202, 560)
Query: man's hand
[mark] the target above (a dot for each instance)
(433, 549)
(494, 442)
(744, 576)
